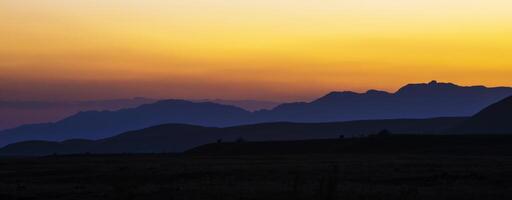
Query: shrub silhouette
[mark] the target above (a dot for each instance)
(240, 140)
(384, 132)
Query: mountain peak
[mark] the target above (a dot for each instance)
(377, 92)
(426, 88)
(349, 96)
(433, 82)
(336, 95)
(343, 93)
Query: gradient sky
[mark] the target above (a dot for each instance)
(240, 49)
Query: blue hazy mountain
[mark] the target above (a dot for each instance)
(411, 101)
(428, 100)
(180, 137)
(14, 113)
(101, 124)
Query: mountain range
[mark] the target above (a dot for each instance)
(14, 113)
(181, 137)
(424, 100)
(101, 124)
(413, 101)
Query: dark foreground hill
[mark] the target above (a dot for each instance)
(413, 101)
(179, 137)
(496, 118)
(374, 144)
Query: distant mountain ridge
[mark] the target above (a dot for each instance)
(181, 137)
(428, 100)
(14, 113)
(425, 100)
(101, 124)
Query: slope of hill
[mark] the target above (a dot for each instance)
(389, 144)
(101, 124)
(496, 118)
(179, 137)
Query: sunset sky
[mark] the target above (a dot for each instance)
(239, 49)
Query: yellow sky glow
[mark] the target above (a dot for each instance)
(238, 49)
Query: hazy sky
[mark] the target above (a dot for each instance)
(241, 49)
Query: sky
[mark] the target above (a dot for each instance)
(239, 49)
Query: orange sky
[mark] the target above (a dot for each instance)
(240, 49)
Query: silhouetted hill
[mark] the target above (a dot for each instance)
(101, 124)
(429, 100)
(496, 118)
(179, 137)
(163, 138)
(390, 144)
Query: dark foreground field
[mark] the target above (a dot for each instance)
(347, 176)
